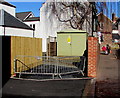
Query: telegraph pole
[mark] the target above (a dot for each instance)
(93, 18)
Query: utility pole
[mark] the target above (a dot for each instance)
(92, 17)
(94, 25)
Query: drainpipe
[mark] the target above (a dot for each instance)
(4, 30)
(33, 33)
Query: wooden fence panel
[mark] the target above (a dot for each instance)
(52, 49)
(25, 46)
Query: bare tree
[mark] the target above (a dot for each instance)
(76, 13)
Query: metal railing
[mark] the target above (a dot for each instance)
(46, 65)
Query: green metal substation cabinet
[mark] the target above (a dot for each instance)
(71, 43)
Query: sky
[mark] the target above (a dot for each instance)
(113, 7)
(35, 6)
(28, 6)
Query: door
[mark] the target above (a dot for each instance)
(63, 45)
(78, 44)
(71, 44)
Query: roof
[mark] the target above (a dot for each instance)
(32, 19)
(104, 15)
(72, 31)
(7, 20)
(23, 15)
(6, 3)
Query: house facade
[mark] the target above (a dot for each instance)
(16, 39)
(32, 21)
(24, 15)
(115, 32)
(10, 25)
(8, 7)
(105, 27)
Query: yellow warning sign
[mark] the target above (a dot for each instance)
(69, 39)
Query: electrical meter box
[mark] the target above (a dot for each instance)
(71, 42)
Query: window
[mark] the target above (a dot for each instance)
(101, 25)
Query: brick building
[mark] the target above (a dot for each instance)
(105, 27)
(116, 29)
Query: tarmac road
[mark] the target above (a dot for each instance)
(41, 89)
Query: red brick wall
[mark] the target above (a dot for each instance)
(106, 29)
(107, 40)
(93, 56)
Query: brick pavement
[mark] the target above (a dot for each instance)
(44, 89)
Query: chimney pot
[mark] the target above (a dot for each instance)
(113, 17)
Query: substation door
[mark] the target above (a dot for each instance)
(71, 44)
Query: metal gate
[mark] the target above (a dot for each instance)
(47, 67)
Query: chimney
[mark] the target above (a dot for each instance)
(113, 17)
